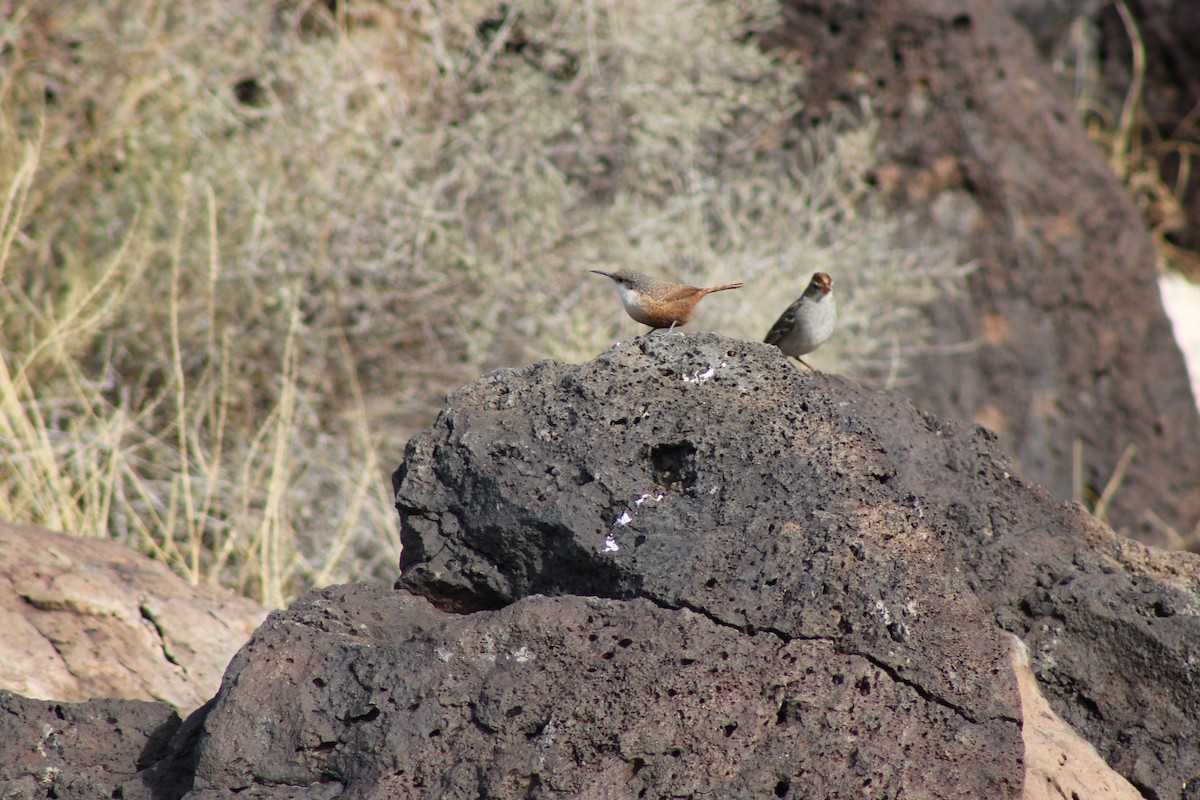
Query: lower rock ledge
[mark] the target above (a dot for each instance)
(582, 697)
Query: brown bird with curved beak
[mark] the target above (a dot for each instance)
(659, 304)
(807, 322)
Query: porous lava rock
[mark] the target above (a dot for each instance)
(690, 568)
(647, 576)
(708, 474)
(387, 696)
(87, 751)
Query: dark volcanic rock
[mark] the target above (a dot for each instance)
(707, 474)
(763, 617)
(689, 568)
(83, 751)
(378, 694)
(692, 472)
(1113, 625)
(979, 141)
(704, 473)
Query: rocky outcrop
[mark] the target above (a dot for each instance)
(83, 618)
(981, 145)
(707, 474)
(722, 688)
(690, 567)
(584, 697)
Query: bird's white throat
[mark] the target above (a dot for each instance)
(629, 298)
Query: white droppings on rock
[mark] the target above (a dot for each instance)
(701, 377)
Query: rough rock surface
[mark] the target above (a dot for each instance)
(980, 142)
(83, 618)
(1112, 624)
(85, 751)
(583, 697)
(689, 567)
(703, 473)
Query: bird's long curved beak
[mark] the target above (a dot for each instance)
(601, 272)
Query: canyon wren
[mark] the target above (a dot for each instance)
(659, 304)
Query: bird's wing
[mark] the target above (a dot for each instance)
(786, 321)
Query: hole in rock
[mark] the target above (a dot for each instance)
(674, 465)
(538, 729)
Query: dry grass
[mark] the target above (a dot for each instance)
(1137, 153)
(247, 248)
